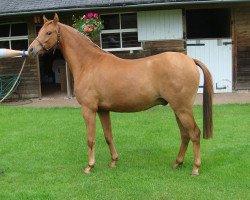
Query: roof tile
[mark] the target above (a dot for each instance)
(15, 7)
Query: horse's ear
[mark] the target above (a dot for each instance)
(45, 19)
(56, 18)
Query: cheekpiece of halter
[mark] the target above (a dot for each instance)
(58, 39)
(54, 47)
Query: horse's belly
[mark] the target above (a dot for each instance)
(126, 107)
(131, 105)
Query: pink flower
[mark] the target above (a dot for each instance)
(96, 15)
(90, 15)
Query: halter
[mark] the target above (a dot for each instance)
(54, 47)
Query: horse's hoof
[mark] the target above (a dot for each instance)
(195, 173)
(176, 165)
(87, 170)
(112, 164)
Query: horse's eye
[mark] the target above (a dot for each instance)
(48, 33)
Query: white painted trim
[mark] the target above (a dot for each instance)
(120, 31)
(124, 49)
(10, 23)
(14, 38)
(129, 30)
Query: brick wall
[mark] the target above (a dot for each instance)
(28, 87)
(152, 48)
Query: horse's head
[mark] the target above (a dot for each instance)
(47, 39)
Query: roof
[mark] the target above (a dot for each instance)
(17, 7)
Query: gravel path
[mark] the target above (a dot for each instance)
(59, 100)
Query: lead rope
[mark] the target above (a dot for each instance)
(11, 89)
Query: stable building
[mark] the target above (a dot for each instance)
(215, 32)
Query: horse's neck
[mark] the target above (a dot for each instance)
(78, 51)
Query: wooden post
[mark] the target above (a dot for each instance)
(68, 81)
(39, 79)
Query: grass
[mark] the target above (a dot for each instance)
(43, 152)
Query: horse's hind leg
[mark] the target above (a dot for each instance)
(184, 144)
(187, 120)
(106, 125)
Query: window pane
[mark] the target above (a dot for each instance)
(111, 22)
(111, 40)
(19, 44)
(130, 40)
(4, 44)
(129, 20)
(4, 30)
(19, 29)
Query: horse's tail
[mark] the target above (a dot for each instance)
(207, 101)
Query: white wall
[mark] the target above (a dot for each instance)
(160, 25)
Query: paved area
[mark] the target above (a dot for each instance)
(60, 100)
(227, 98)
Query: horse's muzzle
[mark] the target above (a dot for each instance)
(34, 49)
(33, 52)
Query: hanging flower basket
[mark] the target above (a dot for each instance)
(89, 24)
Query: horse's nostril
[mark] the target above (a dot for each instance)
(31, 49)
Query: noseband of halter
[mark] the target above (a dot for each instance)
(54, 47)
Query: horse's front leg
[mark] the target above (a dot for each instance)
(106, 125)
(90, 122)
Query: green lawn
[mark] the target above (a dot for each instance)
(43, 152)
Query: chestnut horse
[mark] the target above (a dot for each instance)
(104, 83)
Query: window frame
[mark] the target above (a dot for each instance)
(10, 38)
(120, 31)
